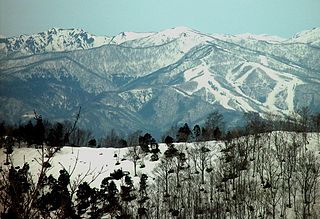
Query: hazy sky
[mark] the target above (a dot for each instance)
(109, 17)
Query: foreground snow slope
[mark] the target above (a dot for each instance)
(86, 161)
(90, 162)
(248, 176)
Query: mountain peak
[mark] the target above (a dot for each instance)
(313, 31)
(260, 37)
(307, 36)
(128, 36)
(182, 29)
(53, 30)
(65, 31)
(176, 31)
(52, 40)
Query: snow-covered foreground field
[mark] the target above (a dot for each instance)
(91, 163)
(273, 175)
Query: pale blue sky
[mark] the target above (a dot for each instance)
(109, 17)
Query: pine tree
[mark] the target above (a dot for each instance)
(217, 133)
(142, 211)
(145, 141)
(92, 143)
(83, 197)
(56, 136)
(8, 146)
(28, 133)
(39, 131)
(184, 133)
(197, 132)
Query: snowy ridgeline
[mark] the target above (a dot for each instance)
(123, 78)
(264, 176)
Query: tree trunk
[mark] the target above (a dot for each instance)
(135, 167)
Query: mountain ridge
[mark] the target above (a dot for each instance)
(151, 81)
(93, 41)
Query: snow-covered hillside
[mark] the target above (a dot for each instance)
(84, 159)
(104, 160)
(263, 175)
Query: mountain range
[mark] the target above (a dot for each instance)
(151, 81)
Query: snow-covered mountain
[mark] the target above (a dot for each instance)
(150, 81)
(308, 36)
(52, 40)
(58, 40)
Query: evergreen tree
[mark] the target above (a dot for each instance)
(184, 133)
(142, 211)
(154, 149)
(2, 129)
(145, 141)
(56, 136)
(18, 186)
(92, 143)
(112, 198)
(168, 140)
(28, 133)
(18, 134)
(126, 190)
(83, 197)
(122, 143)
(217, 133)
(39, 131)
(197, 132)
(8, 146)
